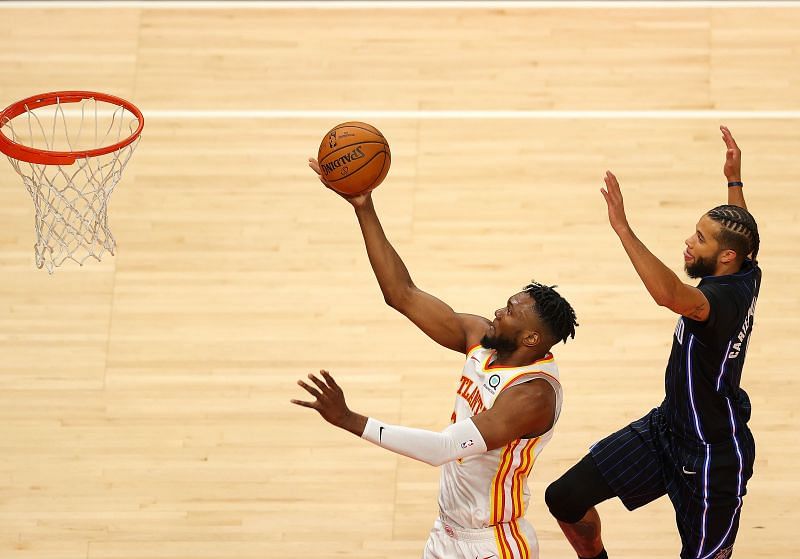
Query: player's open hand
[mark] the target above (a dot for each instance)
(733, 156)
(328, 399)
(616, 209)
(357, 201)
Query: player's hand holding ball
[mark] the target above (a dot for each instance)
(353, 160)
(357, 201)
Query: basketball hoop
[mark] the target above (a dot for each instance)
(70, 160)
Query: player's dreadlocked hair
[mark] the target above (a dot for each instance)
(553, 309)
(739, 229)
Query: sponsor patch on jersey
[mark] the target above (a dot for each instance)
(494, 382)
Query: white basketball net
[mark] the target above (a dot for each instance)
(71, 201)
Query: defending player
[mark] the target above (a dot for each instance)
(508, 401)
(696, 446)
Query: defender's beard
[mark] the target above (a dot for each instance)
(700, 267)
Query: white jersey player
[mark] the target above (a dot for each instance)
(490, 490)
(508, 401)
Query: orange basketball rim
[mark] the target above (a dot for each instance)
(70, 148)
(31, 154)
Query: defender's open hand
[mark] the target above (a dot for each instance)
(733, 156)
(616, 209)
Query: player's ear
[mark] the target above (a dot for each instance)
(727, 256)
(532, 338)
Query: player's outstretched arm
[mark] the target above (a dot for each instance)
(733, 169)
(662, 283)
(456, 331)
(438, 320)
(524, 410)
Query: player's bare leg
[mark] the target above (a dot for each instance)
(584, 535)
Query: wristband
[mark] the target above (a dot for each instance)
(735, 183)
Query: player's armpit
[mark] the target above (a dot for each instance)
(690, 302)
(440, 322)
(522, 411)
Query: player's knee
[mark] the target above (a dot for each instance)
(551, 496)
(571, 496)
(563, 500)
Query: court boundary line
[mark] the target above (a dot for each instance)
(358, 114)
(400, 4)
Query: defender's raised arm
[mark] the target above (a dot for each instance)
(733, 169)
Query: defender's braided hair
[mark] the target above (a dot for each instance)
(553, 309)
(739, 230)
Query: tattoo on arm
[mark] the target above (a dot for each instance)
(698, 312)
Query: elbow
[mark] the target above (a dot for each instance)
(435, 462)
(391, 300)
(397, 299)
(671, 303)
(664, 300)
(667, 296)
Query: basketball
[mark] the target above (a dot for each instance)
(354, 158)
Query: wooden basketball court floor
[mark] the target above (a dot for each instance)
(144, 406)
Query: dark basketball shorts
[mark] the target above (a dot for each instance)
(705, 482)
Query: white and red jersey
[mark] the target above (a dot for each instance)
(492, 488)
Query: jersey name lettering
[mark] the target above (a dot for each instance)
(472, 394)
(679, 331)
(737, 347)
